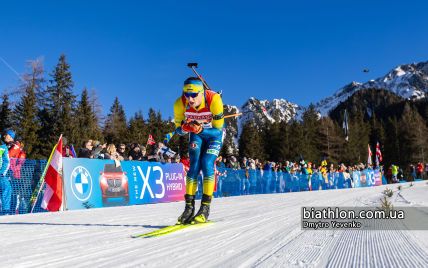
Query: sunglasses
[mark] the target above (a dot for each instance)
(191, 94)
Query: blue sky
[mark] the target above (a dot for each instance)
(302, 51)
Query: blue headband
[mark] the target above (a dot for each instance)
(193, 82)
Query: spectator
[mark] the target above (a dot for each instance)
(233, 163)
(252, 164)
(86, 151)
(98, 150)
(419, 170)
(309, 169)
(225, 162)
(67, 150)
(400, 174)
(388, 174)
(394, 173)
(412, 170)
(221, 162)
(16, 153)
(5, 186)
(112, 153)
(122, 151)
(136, 153)
(155, 154)
(426, 170)
(20, 187)
(167, 159)
(176, 159)
(244, 163)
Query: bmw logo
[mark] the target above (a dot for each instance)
(81, 183)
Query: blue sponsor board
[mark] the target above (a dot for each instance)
(101, 183)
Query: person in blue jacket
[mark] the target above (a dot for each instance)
(5, 186)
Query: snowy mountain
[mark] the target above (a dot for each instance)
(277, 110)
(248, 231)
(409, 81)
(258, 111)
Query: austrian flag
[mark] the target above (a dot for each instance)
(52, 197)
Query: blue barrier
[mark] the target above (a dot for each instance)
(16, 189)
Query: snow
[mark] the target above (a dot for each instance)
(255, 230)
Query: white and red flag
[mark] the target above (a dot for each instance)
(150, 140)
(369, 157)
(378, 152)
(378, 155)
(52, 197)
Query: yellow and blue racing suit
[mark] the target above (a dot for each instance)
(205, 146)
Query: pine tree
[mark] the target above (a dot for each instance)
(5, 114)
(58, 110)
(95, 105)
(330, 140)
(26, 110)
(115, 127)
(391, 153)
(275, 142)
(412, 136)
(310, 127)
(377, 131)
(355, 151)
(156, 126)
(137, 131)
(87, 124)
(250, 142)
(296, 140)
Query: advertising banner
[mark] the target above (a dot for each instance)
(101, 183)
(377, 177)
(367, 178)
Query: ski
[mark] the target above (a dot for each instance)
(170, 229)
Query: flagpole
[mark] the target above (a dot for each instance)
(42, 178)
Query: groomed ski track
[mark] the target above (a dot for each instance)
(254, 230)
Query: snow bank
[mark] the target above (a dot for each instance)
(257, 230)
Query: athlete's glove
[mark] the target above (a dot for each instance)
(192, 126)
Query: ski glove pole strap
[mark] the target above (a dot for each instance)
(192, 127)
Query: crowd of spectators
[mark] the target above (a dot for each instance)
(134, 151)
(253, 175)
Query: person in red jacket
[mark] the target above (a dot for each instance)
(419, 170)
(20, 192)
(16, 153)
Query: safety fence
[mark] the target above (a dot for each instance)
(19, 185)
(240, 182)
(101, 183)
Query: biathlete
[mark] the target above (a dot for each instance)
(199, 111)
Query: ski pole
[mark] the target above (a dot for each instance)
(232, 115)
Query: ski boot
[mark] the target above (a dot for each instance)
(204, 210)
(189, 210)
